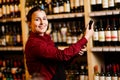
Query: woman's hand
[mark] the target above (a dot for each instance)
(89, 32)
(81, 52)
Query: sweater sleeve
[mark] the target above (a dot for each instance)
(42, 50)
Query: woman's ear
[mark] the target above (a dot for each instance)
(29, 24)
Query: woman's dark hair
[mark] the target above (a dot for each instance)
(29, 15)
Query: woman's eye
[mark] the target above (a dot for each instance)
(36, 19)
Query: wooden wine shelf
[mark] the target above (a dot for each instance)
(106, 49)
(104, 13)
(11, 48)
(67, 15)
(10, 19)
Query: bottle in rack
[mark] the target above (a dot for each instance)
(101, 34)
(61, 6)
(111, 4)
(69, 34)
(102, 73)
(99, 5)
(64, 33)
(93, 5)
(117, 4)
(66, 6)
(81, 5)
(114, 32)
(55, 6)
(95, 36)
(108, 33)
(0, 9)
(72, 6)
(108, 72)
(114, 75)
(96, 73)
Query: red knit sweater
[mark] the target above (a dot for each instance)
(40, 52)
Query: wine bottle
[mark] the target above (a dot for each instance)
(102, 73)
(0, 9)
(61, 6)
(81, 5)
(114, 75)
(95, 36)
(74, 33)
(108, 34)
(12, 8)
(66, 6)
(111, 4)
(101, 34)
(108, 72)
(77, 5)
(69, 35)
(93, 5)
(64, 33)
(98, 5)
(82, 72)
(117, 4)
(114, 32)
(55, 6)
(4, 12)
(72, 6)
(96, 73)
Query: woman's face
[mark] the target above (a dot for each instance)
(39, 22)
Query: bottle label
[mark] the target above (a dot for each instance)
(108, 35)
(77, 3)
(56, 10)
(93, 2)
(105, 3)
(102, 77)
(101, 36)
(16, 8)
(4, 9)
(82, 77)
(99, 1)
(81, 2)
(69, 39)
(59, 37)
(18, 38)
(66, 7)
(118, 35)
(72, 3)
(108, 78)
(74, 39)
(11, 8)
(95, 36)
(61, 9)
(96, 77)
(55, 36)
(111, 3)
(7, 9)
(117, 1)
(114, 35)
(114, 78)
(0, 12)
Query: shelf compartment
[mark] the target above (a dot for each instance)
(106, 49)
(69, 15)
(10, 19)
(11, 48)
(104, 13)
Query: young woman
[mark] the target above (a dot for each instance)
(41, 54)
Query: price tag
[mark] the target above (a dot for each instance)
(106, 49)
(112, 49)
